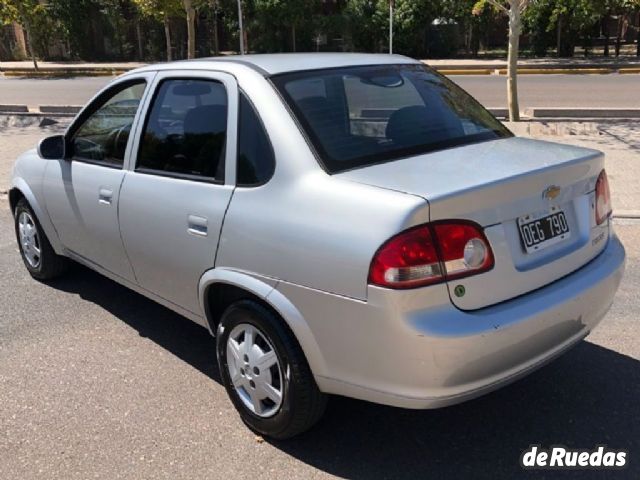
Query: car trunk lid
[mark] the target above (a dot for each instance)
(499, 185)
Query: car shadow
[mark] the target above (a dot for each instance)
(183, 338)
(589, 396)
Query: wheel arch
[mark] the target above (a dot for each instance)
(20, 189)
(220, 287)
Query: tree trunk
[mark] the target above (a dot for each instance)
(605, 32)
(167, 37)
(559, 37)
(293, 37)
(191, 28)
(216, 43)
(21, 43)
(638, 35)
(512, 71)
(27, 31)
(139, 38)
(475, 40)
(619, 35)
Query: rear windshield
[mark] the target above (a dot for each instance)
(359, 116)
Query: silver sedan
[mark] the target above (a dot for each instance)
(343, 224)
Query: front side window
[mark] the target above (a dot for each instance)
(359, 116)
(103, 136)
(186, 130)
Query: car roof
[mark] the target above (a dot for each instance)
(276, 63)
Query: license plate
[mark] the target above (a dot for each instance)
(543, 230)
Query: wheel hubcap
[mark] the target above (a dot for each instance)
(29, 239)
(254, 370)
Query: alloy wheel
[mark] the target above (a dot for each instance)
(255, 370)
(29, 239)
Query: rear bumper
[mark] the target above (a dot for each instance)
(409, 351)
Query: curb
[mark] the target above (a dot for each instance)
(626, 215)
(14, 109)
(60, 73)
(582, 113)
(629, 70)
(560, 71)
(24, 111)
(468, 71)
(71, 109)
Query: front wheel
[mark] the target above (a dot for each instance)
(38, 255)
(266, 373)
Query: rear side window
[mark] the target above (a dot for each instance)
(186, 130)
(256, 161)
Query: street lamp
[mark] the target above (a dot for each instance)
(391, 2)
(241, 28)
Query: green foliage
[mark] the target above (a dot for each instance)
(273, 25)
(34, 17)
(25, 12)
(123, 29)
(368, 22)
(159, 9)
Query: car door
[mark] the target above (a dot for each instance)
(173, 200)
(81, 191)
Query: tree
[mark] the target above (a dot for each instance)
(191, 27)
(369, 24)
(571, 20)
(514, 9)
(31, 14)
(161, 10)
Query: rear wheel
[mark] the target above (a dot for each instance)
(265, 372)
(38, 255)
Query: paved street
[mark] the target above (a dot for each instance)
(50, 91)
(98, 382)
(614, 90)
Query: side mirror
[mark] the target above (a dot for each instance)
(52, 148)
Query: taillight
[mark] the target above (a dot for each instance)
(431, 254)
(603, 198)
(464, 249)
(408, 260)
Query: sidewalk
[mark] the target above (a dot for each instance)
(548, 62)
(620, 142)
(539, 66)
(28, 65)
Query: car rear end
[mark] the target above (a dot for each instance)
(517, 263)
(470, 301)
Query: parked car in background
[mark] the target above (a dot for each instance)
(342, 223)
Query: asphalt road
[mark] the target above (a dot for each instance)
(535, 90)
(98, 382)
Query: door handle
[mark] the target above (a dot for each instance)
(197, 225)
(105, 196)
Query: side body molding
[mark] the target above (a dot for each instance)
(265, 289)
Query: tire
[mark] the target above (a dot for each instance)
(46, 264)
(301, 402)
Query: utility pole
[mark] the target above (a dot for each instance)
(241, 27)
(391, 26)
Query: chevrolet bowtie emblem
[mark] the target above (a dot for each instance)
(551, 192)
